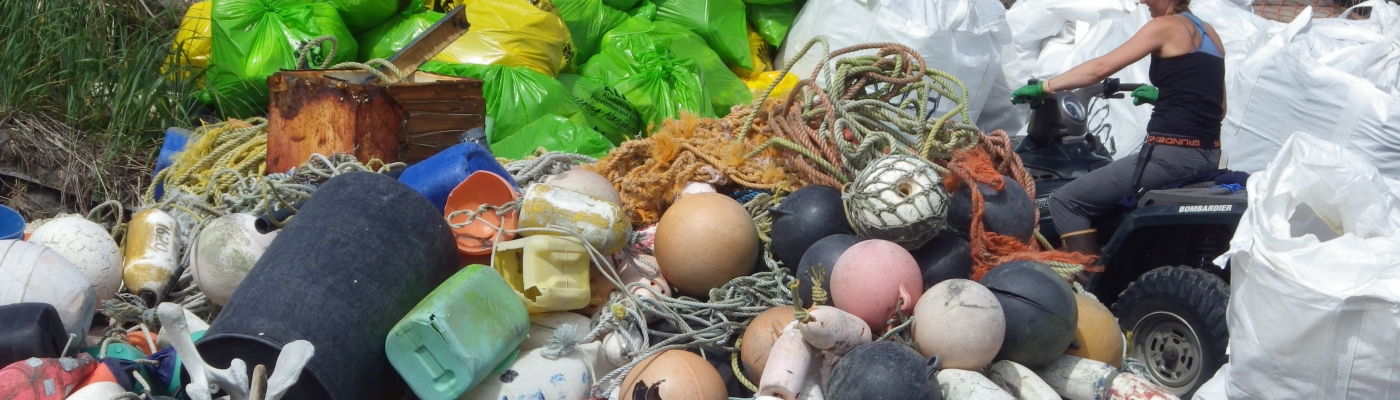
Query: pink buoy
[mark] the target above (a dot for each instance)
(873, 277)
(642, 269)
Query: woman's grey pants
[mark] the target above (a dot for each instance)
(1074, 205)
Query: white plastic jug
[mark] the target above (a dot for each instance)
(30, 273)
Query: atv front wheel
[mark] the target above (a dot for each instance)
(1175, 319)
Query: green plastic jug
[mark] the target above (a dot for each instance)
(459, 334)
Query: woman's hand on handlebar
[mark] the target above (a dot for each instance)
(1032, 93)
(1145, 94)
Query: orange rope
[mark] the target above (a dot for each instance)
(649, 173)
(990, 249)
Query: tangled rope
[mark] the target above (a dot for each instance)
(536, 168)
(870, 106)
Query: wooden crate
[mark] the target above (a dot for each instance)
(327, 112)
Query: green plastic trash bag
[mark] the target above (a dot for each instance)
(771, 2)
(646, 11)
(515, 96)
(606, 110)
(772, 21)
(720, 22)
(656, 81)
(396, 33)
(363, 15)
(255, 38)
(588, 20)
(553, 133)
(623, 4)
(723, 88)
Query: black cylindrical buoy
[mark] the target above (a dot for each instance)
(944, 257)
(356, 258)
(1009, 212)
(884, 370)
(30, 330)
(1040, 312)
(821, 257)
(804, 217)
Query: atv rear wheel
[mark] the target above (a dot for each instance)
(1175, 321)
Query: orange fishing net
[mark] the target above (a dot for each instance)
(986, 164)
(649, 173)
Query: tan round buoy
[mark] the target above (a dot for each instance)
(704, 241)
(759, 337)
(676, 375)
(586, 182)
(961, 322)
(1099, 337)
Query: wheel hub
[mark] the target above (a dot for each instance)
(1171, 350)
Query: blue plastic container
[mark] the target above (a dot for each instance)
(175, 141)
(436, 176)
(11, 224)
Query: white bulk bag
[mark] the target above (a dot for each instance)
(1314, 310)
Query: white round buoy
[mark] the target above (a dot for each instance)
(225, 252)
(961, 322)
(898, 198)
(89, 248)
(586, 182)
(617, 345)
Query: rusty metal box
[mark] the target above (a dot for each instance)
(327, 112)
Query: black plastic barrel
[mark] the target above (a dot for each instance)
(358, 256)
(30, 330)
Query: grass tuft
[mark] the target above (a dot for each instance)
(95, 71)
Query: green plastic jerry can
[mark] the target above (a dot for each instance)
(459, 334)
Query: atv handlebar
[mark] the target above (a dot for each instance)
(1112, 88)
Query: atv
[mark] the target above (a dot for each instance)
(1159, 278)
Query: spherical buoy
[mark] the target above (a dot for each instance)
(586, 182)
(883, 370)
(872, 278)
(1007, 212)
(961, 322)
(945, 257)
(1099, 337)
(804, 217)
(897, 198)
(759, 337)
(87, 246)
(675, 375)
(704, 241)
(1040, 312)
(820, 260)
(224, 252)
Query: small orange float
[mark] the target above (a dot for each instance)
(480, 236)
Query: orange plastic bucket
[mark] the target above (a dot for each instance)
(481, 187)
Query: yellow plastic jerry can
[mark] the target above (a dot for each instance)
(550, 273)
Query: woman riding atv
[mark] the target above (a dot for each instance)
(1183, 136)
